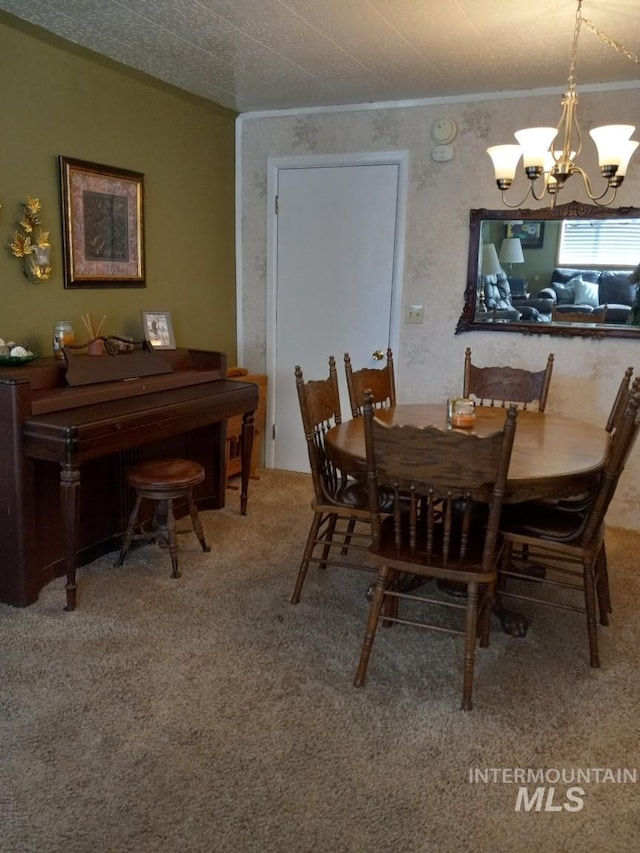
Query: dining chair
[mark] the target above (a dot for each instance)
(579, 503)
(339, 503)
(555, 554)
(437, 477)
(502, 385)
(381, 382)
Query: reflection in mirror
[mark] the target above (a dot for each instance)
(568, 270)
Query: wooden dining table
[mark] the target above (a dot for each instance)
(553, 457)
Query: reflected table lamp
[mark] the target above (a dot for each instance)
(490, 265)
(511, 252)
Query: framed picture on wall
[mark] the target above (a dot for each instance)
(102, 225)
(530, 234)
(158, 329)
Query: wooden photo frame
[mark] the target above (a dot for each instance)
(102, 225)
(158, 329)
(530, 233)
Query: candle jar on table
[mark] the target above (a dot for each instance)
(464, 413)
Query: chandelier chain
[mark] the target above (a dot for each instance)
(571, 82)
(614, 44)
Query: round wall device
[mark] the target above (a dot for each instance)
(444, 131)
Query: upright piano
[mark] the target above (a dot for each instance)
(64, 451)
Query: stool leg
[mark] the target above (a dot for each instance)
(160, 525)
(171, 535)
(197, 524)
(127, 539)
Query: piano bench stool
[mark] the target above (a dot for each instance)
(163, 481)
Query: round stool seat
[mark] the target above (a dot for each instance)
(165, 474)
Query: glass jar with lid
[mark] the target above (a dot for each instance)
(464, 413)
(62, 336)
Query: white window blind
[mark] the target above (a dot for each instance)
(600, 243)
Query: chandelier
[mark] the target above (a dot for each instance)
(553, 164)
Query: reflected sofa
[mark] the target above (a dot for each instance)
(605, 292)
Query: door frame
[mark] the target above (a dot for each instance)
(274, 165)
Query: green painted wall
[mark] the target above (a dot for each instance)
(55, 99)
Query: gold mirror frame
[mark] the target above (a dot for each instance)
(573, 210)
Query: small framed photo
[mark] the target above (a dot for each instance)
(158, 329)
(102, 225)
(530, 234)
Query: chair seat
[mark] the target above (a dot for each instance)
(165, 474)
(544, 521)
(354, 496)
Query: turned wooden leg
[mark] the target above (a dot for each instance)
(246, 449)
(70, 500)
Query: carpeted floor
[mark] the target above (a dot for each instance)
(208, 715)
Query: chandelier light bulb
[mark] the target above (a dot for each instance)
(505, 162)
(609, 140)
(535, 142)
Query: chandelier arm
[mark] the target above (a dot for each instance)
(521, 202)
(533, 191)
(576, 170)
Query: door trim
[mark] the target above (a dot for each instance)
(274, 165)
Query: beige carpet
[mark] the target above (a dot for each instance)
(208, 714)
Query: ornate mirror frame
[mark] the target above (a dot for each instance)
(573, 210)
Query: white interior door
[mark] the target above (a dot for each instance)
(336, 260)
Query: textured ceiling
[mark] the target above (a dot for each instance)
(275, 54)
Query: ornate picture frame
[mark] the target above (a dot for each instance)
(530, 234)
(102, 225)
(158, 329)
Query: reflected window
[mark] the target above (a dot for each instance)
(599, 243)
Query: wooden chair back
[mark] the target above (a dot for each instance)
(578, 316)
(381, 382)
(504, 385)
(320, 409)
(621, 400)
(621, 443)
(435, 477)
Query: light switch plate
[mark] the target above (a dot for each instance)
(414, 314)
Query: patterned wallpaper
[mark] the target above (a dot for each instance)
(587, 371)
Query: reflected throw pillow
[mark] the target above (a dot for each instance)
(587, 293)
(565, 293)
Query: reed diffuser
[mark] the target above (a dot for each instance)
(95, 345)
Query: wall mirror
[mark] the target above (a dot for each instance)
(558, 280)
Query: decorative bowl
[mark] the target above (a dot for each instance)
(14, 360)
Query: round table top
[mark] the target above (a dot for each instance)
(552, 456)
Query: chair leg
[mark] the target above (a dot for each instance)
(328, 537)
(601, 587)
(197, 524)
(604, 573)
(471, 618)
(382, 582)
(484, 614)
(588, 568)
(348, 536)
(127, 539)
(308, 551)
